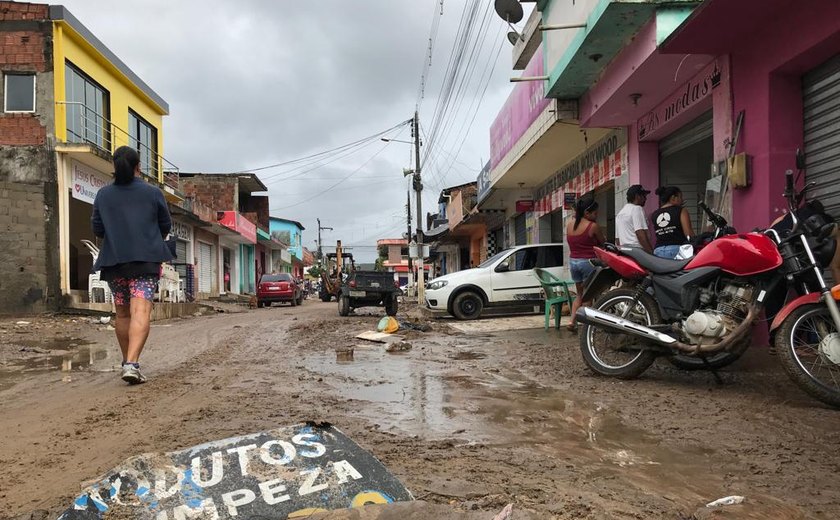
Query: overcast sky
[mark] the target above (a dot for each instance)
(257, 82)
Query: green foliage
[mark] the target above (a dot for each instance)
(316, 271)
(379, 265)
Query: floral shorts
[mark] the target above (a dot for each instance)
(124, 289)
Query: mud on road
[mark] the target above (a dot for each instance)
(472, 421)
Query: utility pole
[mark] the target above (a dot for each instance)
(418, 188)
(408, 240)
(320, 249)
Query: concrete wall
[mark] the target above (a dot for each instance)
(29, 276)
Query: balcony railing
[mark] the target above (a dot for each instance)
(85, 125)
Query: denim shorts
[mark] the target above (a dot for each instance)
(669, 252)
(580, 269)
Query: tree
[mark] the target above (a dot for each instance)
(379, 265)
(315, 271)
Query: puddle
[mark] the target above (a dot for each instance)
(433, 401)
(61, 354)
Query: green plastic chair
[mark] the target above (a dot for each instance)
(556, 294)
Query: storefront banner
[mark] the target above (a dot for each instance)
(182, 231)
(523, 206)
(522, 108)
(598, 174)
(86, 182)
(233, 220)
(683, 104)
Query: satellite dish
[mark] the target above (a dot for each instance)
(513, 37)
(509, 10)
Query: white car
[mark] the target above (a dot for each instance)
(505, 279)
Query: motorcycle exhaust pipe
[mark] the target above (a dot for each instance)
(618, 324)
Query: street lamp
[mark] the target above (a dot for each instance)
(394, 141)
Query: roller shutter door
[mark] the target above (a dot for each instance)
(205, 267)
(181, 253)
(821, 104)
(520, 231)
(685, 161)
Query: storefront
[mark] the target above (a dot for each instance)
(206, 260)
(601, 170)
(821, 108)
(82, 184)
(237, 266)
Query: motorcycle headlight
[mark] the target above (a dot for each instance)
(440, 284)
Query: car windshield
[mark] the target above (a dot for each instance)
(489, 261)
(284, 277)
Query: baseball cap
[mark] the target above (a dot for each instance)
(634, 190)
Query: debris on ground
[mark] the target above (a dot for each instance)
(280, 473)
(727, 501)
(419, 327)
(400, 346)
(505, 513)
(22, 323)
(378, 337)
(388, 325)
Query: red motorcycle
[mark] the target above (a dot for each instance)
(703, 308)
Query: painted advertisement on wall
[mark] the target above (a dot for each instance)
(522, 108)
(603, 162)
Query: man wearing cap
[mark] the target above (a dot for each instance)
(631, 227)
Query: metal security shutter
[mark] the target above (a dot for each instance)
(205, 267)
(520, 232)
(181, 253)
(821, 103)
(685, 160)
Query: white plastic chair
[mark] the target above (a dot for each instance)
(94, 282)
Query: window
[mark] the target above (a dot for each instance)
(20, 93)
(88, 114)
(283, 277)
(550, 256)
(522, 260)
(143, 138)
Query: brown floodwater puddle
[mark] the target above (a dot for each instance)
(62, 355)
(442, 400)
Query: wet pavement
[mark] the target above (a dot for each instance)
(473, 420)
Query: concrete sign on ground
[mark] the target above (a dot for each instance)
(285, 473)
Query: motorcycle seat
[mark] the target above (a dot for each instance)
(653, 263)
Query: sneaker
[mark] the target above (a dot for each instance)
(131, 374)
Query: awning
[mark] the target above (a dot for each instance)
(236, 222)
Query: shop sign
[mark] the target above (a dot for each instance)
(483, 183)
(524, 206)
(686, 97)
(569, 199)
(233, 220)
(182, 231)
(522, 108)
(86, 182)
(279, 474)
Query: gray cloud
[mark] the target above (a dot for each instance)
(256, 82)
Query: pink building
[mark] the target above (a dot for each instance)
(683, 83)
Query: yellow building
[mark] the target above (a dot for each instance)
(69, 102)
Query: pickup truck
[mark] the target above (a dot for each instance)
(368, 289)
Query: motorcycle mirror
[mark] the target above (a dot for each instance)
(800, 159)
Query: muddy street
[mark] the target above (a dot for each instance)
(472, 419)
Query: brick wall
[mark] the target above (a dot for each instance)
(255, 209)
(26, 46)
(217, 193)
(23, 11)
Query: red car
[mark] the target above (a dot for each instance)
(278, 288)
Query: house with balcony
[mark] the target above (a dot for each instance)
(68, 103)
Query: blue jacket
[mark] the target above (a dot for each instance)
(133, 219)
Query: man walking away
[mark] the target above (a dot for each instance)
(631, 227)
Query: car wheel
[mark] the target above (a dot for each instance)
(260, 304)
(467, 306)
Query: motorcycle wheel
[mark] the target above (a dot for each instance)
(599, 347)
(714, 362)
(806, 342)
